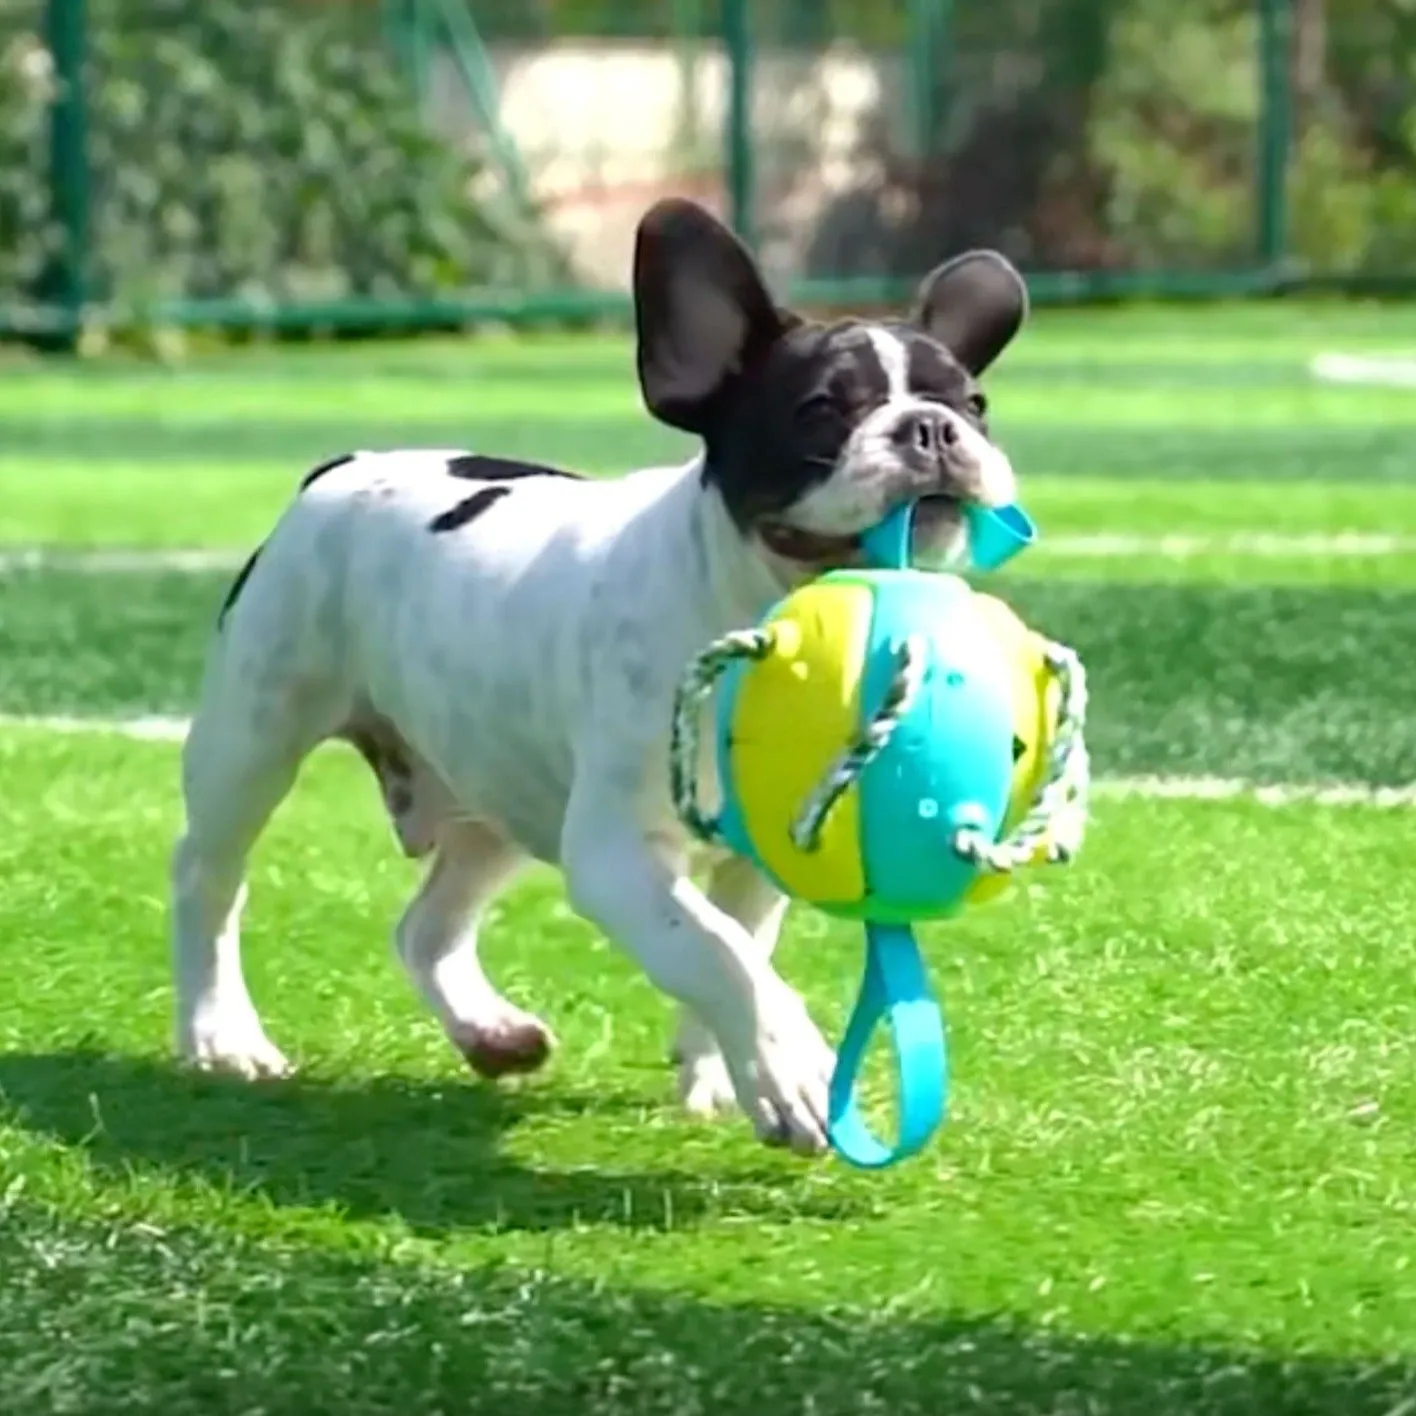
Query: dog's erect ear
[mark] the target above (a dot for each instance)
(973, 305)
(701, 311)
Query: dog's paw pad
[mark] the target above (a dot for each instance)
(500, 1049)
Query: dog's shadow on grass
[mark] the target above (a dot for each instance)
(430, 1152)
(103, 1315)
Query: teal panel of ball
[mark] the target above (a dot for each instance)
(948, 763)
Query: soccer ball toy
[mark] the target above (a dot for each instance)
(891, 745)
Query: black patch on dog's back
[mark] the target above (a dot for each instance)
(468, 509)
(236, 586)
(473, 467)
(315, 473)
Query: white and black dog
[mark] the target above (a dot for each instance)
(502, 643)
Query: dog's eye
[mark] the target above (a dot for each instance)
(978, 405)
(817, 408)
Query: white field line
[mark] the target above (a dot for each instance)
(147, 729)
(1102, 546)
(1180, 546)
(1265, 794)
(106, 561)
(1380, 370)
(166, 729)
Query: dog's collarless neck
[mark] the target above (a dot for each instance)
(739, 579)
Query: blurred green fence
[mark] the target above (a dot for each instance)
(339, 163)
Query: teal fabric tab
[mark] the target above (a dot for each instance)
(996, 535)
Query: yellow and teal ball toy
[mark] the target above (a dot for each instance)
(891, 745)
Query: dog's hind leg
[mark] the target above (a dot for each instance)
(251, 732)
(738, 889)
(437, 942)
(231, 784)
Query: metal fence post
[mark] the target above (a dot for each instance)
(1275, 127)
(66, 281)
(929, 22)
(737, 44)
(408, 26)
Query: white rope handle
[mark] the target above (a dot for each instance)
(865, 747)
(1051, 833)
(692, 692)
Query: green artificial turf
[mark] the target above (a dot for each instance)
(80, 504)
(1178, 1172)
(1179, 1175)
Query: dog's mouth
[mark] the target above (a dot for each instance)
(939, 538)
(938, 523)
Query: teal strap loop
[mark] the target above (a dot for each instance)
(895, 987)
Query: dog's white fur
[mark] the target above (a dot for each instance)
(523, 667)
(529, 662)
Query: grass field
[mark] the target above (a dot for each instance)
(1180, 1172)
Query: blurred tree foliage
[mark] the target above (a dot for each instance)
(268, 149)
(1173, 139)
(249, 148)
(1124, 134)
(1092, 133)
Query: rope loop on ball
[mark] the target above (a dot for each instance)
(1051, 832)
(693, 691)
(866, 746)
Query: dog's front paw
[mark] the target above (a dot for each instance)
(237, 1046)
(789, 1075)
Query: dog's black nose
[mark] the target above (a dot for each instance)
(926, 432)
